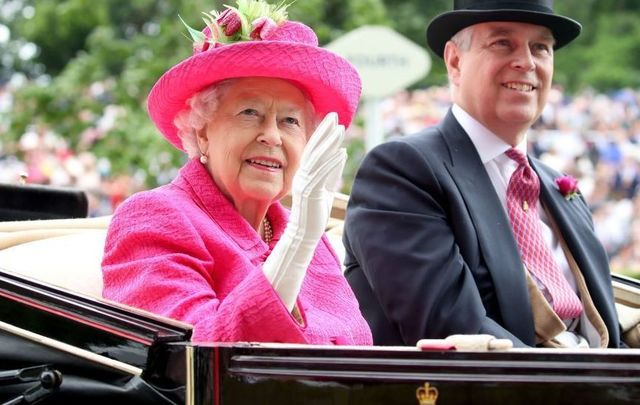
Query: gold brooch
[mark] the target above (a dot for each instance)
(427, 395)
(525, 206)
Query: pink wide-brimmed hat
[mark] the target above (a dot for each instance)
(257, 47)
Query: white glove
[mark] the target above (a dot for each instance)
(312, 198)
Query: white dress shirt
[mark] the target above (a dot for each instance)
(500, 167)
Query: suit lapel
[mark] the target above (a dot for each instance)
(575, 225)
(567, 213)
(496, 240)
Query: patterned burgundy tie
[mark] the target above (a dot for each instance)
(522, 205)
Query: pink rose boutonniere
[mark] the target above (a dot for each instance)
(568, 186)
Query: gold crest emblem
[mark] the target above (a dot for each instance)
(427, 395)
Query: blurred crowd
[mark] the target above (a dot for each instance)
(592, 136)
(42, 156)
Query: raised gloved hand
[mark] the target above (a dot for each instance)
(312, 197)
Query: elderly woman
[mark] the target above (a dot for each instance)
(215, 248)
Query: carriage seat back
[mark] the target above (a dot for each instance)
(66, 252)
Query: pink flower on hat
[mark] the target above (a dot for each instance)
(568, 186)
(229, 20)
(232, 25)
(262, 27)
(201, 46)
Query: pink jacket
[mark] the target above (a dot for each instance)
(183, 251)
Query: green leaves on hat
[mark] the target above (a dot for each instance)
(235, 24)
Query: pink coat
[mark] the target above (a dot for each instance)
(183, 251)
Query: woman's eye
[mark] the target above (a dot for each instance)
(292, 121)
(249, 111)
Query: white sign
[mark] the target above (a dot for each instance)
(386, 61)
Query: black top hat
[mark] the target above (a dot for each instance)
(470, 12)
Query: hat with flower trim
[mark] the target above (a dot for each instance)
(255, 39)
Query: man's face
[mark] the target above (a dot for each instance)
(503, 79)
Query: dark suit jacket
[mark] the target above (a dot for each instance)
(430, 250)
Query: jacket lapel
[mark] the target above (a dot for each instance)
(568, 213)
(497, 244)
(196, 181)
(574, 222)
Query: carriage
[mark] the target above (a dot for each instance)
(61, 343)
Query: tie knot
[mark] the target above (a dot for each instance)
(517, 156)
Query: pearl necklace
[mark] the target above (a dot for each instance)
(267, 230)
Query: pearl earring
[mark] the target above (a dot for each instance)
(203, 159)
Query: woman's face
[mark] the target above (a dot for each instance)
(255, 138)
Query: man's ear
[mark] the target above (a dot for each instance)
(451, 58)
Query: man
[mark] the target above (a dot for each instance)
(454, 230)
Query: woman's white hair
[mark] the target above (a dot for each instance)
(193, 119)
(204, 104)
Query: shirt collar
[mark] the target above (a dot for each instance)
(488, 144)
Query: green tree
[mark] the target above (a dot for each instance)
(123, 47)
(410, 18)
